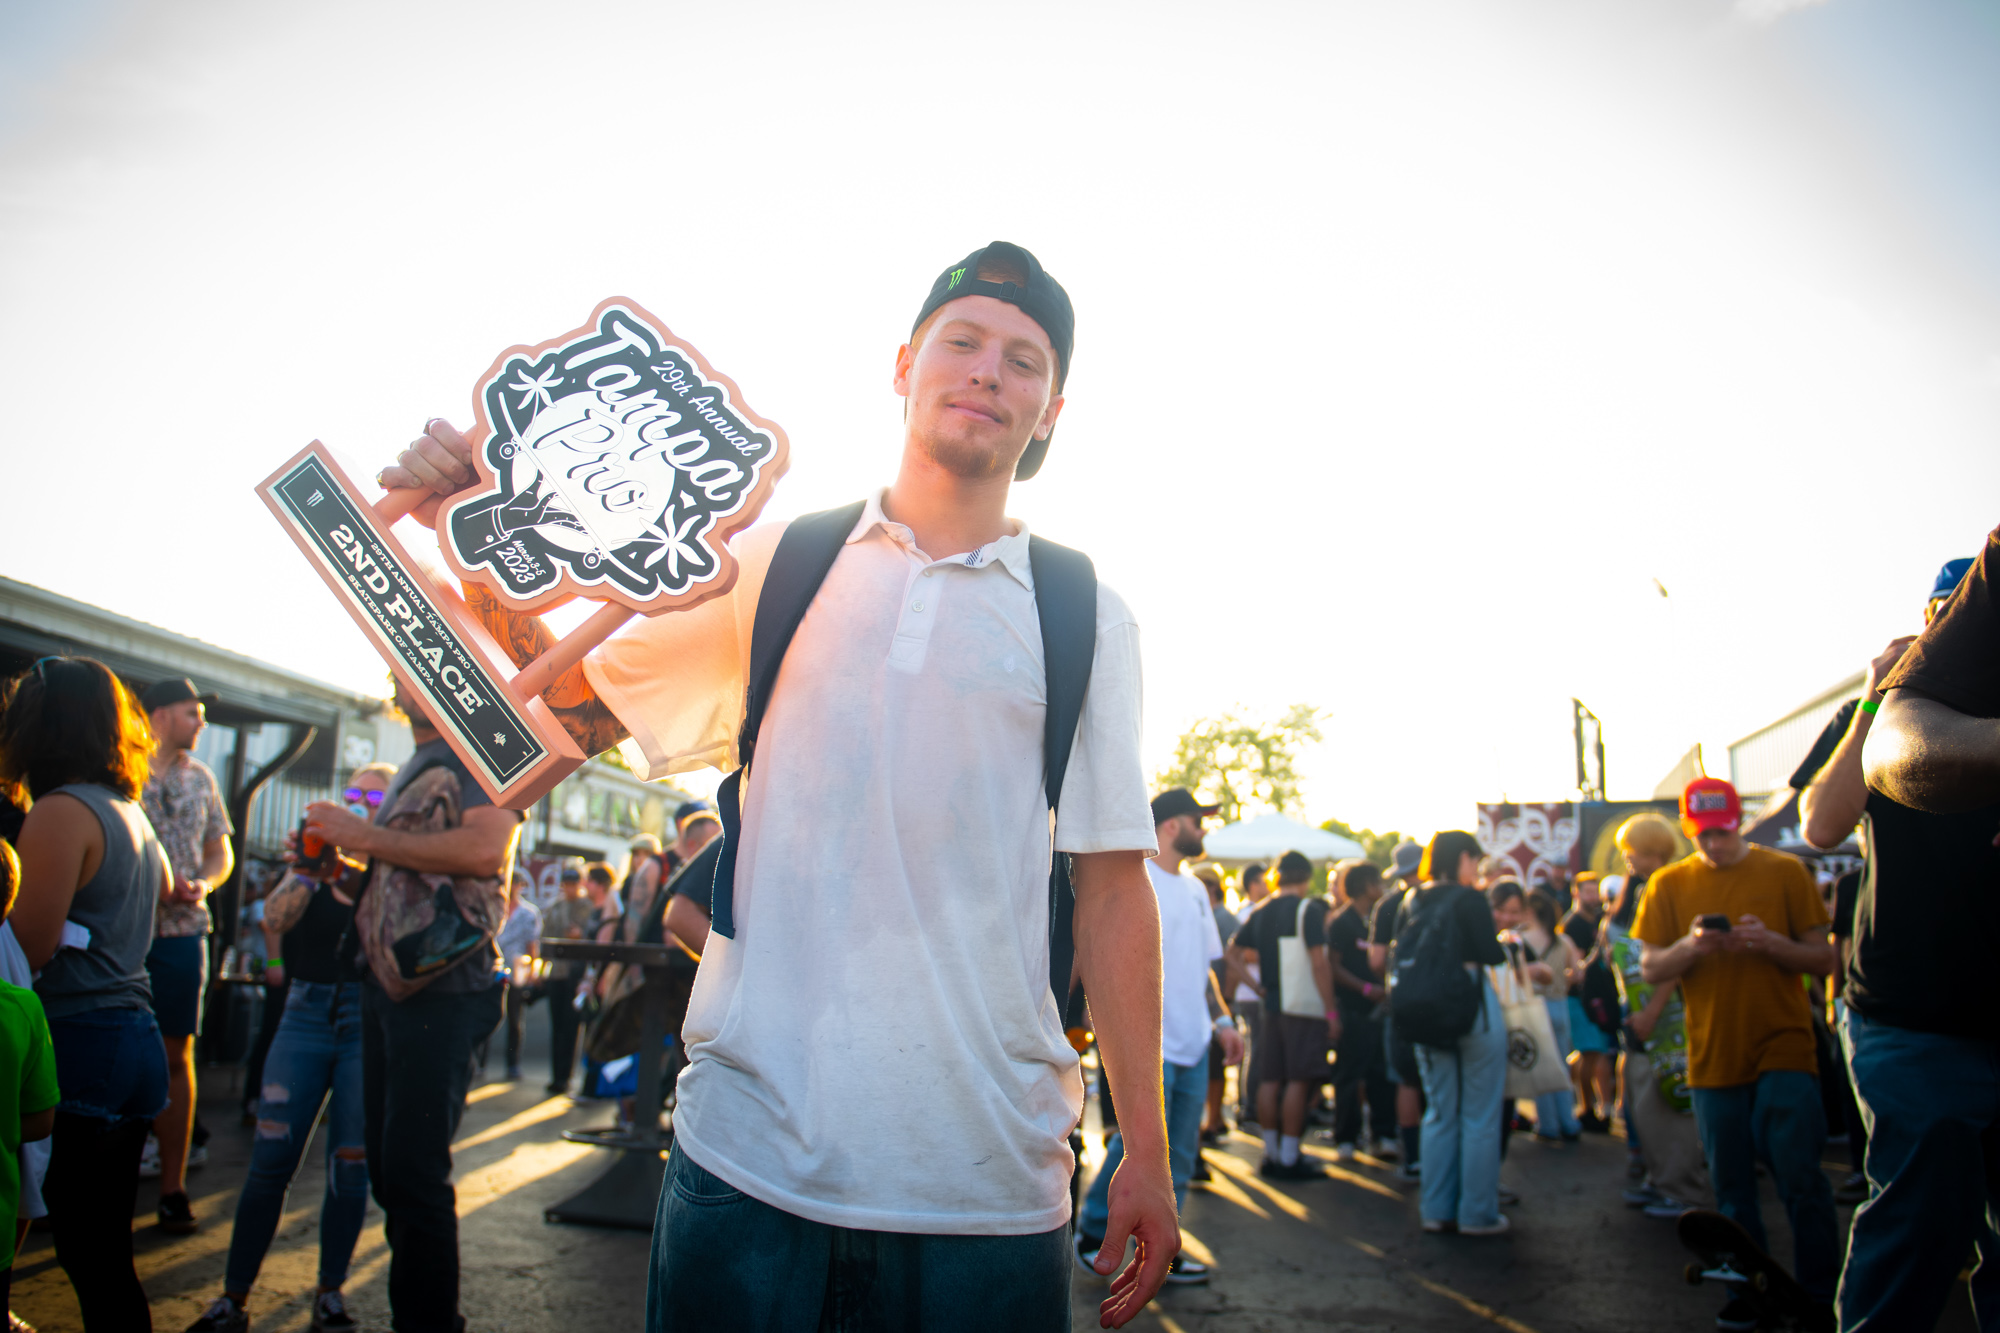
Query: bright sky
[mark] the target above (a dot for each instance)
(1414, 341)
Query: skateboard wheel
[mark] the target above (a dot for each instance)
(1692, 1275)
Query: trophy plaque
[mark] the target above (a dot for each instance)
(614, 464)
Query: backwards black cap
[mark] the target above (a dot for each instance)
(1041, 298)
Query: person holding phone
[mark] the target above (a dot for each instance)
(1737, 924)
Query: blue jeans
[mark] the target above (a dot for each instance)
(1932, 1106)
(722, 1259)
(1463, 1088)
(112, 1072)
(1555, 1112)
(1778, 1118)
(315, 1058)
(1186, 1088)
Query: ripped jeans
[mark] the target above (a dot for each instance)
(315, 1058)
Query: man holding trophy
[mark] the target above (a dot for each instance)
(872, 1129)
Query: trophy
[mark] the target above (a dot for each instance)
(614, 465)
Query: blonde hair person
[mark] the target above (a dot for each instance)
(1649, 835)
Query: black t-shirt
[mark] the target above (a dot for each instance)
(1476, 930)
(1957, 661)
(1382, 921)
(1280, 915)
(1347, 943)
(1582, 931)
(1925, 919)
(311, 949)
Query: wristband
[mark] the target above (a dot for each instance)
(270, 963)
(1869, 706)
(1226, 1022)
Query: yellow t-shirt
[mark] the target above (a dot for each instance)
(1745, 1013)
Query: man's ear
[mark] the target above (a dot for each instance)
(1048, 421)
(906, 357)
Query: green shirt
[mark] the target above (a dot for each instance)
(1667, 1048)
(27, 1086)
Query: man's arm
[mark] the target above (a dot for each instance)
(1808, 951)
(593, 726)
(218, 858)
(688, 923)
(1118, 955)
(1832, 803)
(481, 846)
(1929, 756)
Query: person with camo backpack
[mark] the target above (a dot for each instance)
(427, 913)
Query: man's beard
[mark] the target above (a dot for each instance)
(967, 461)
(1189, 845)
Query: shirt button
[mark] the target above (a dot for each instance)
(929, 572)
(917, 607)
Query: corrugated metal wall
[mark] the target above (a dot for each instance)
(1763, 762)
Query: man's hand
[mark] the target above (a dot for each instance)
(1705, 941)
(1753, 935)
(1541, 974)
(340, 826)
(1885, 662)
(188, 890)
(439, 461)
(1142, 1207)
(1232, 1045)
(1333, 1026)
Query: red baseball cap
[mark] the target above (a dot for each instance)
(1709, 803)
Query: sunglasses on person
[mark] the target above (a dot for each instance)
(353, 794)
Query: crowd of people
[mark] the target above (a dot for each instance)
(932, 722)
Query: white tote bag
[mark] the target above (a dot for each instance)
(1534, 1065)
(1295, 971)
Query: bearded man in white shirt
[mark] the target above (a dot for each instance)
(873, 1127)
(1192, 1010)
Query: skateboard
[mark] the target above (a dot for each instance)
(1727, 1255)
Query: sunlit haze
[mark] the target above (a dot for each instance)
(1414, 341)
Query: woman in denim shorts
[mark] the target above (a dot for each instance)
(74, 744)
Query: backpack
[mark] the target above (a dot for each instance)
(1066, 605)
(413, 928)
(1432, 998)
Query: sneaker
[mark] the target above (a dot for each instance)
(149, 1160)
(1270, 1170)
(177, 1219)
(1201, 1174)
(1854, 1189)
(197, 1156)
(1635, 1166)
(1638, 1196)
(1508, 1196)
(1343, 1152)
(513, 1073)
(1499, 1228)
(1303, 1169)
(556, 1089)
(1086, 1253)
(1214, 1135)
(1387, 1149)
(1410, 1171)
(1594, 1123)
(1186, 1272)
(1441, 1226)
(222, 1316)
(1666, 1208)
(1739, 1316)
(330, 1314)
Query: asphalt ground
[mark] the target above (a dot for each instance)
(1343, 1253)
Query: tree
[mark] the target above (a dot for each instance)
(1231, 762)
(1381, 847)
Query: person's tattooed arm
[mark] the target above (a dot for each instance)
(524, 638)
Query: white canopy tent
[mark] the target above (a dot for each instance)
(1268, 837)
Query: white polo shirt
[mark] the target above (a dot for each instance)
(878, 1048)
(1189, 942)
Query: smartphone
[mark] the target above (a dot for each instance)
(1713, 921)
(314, 855)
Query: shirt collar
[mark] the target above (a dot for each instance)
(1010, 551)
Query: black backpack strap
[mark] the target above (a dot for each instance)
(1066, 604)
(805, 553)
